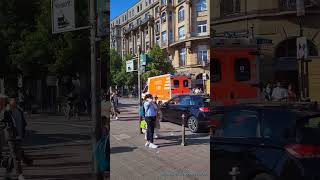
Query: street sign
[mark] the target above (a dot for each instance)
(143, 59)
(204, 76)
(103, 17)
(302, 48)
(130, 66)
(63, 16)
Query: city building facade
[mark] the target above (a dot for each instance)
(179, 27)
(276, 26)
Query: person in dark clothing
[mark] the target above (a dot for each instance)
(15, 131)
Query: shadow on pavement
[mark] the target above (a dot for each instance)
(191, 139)
(48, 156)
(122, 149)
(35, 139)
(84, 176)
(61, 165)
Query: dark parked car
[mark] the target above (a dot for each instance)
(260, 142)
(195, 107)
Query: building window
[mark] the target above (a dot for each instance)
(164, 37)
(157, 27)
(202, 55)
(182, 57)
(171, 36)
(146, 3)
(138, 21)
(182, 34)
(147, 45)
(163, 2)
(164, 17)
(201, 5)
(138, 8)
(229, 7)
(147, 15)
(146, 31)
(181, 14)
(158, 41)
(202, 27)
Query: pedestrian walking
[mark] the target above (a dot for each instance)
(114, 105)
(14, 133)
(150, 116)
(157, 123)
(267, 91)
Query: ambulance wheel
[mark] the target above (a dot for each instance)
(193, 124)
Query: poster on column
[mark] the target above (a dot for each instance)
(63, 16)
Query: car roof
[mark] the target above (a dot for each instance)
(192, 95)
(301, 109)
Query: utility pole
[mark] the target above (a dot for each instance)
(95, 116)
(139, 85)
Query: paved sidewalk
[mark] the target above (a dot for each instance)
(130, 160)
(61, 149)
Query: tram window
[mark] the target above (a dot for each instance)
(215, 70)
(176, 83)
(242, 69)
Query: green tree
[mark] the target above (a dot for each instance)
(157, 64)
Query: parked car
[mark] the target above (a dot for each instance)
(195, 107)
(261, 142)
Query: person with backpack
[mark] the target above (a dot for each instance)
(150, 115)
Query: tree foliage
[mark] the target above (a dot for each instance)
(157, 64)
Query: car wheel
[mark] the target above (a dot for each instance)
(193, 124)
(264, 176)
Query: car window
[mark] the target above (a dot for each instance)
(174, 101)
(239, 123)
(200, 101)
(277, 124)
(185, 101)
(176, 83)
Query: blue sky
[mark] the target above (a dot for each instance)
(119, 6)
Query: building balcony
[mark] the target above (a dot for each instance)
(291, 5)
(135, 26)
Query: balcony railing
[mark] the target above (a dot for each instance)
(289, 5)
(137, 24)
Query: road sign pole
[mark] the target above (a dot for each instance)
(96, 125)
(139, 87)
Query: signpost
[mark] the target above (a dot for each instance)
(302, 55)
(63, 20)
(63, 16)
(130, 66)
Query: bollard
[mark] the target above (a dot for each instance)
(234, 173)
(183, 130)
